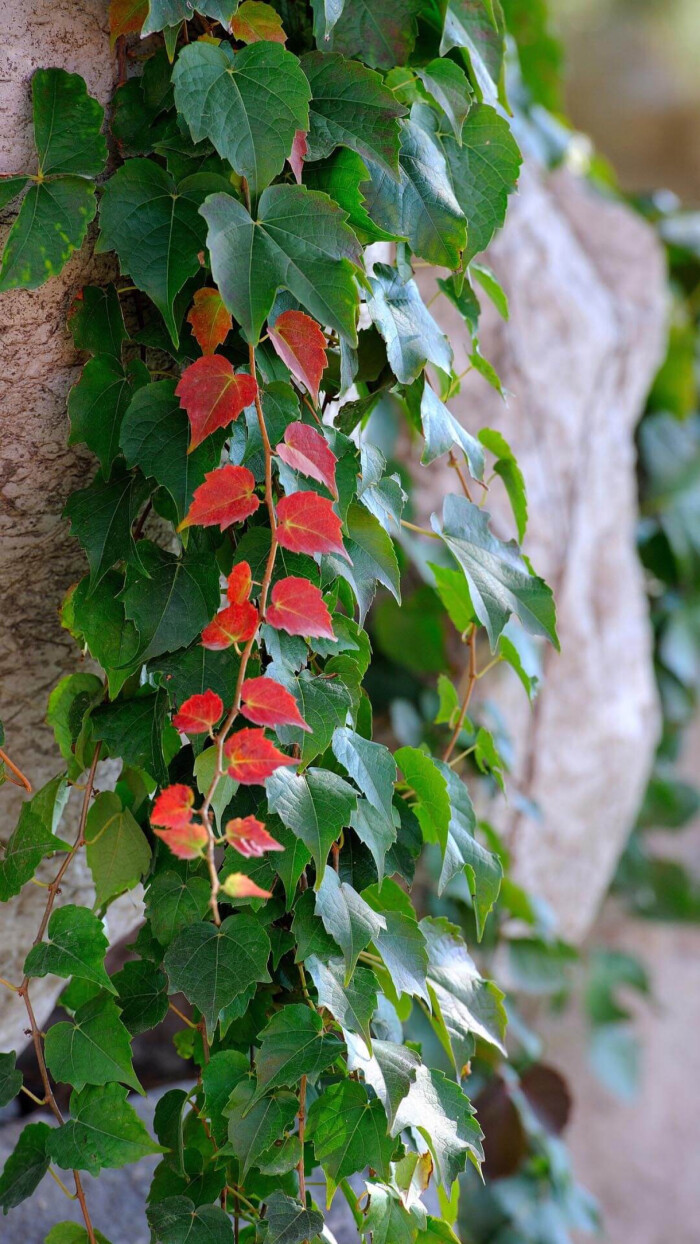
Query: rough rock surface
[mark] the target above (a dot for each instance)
(586, 283)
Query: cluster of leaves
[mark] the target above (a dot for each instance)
(238, 526)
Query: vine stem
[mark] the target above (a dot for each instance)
(247, 651)
(302, 1127)
(471, 683)
(53, 891)
(24, 781)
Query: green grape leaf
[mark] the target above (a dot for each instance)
(212, 966)
(142, 994)
(475, 26)
(102, 516)
(133, 730)
(70, 704)
(26, 1166)
(76, 946)
(347, 918)
(323, 703)
(100, 618)
(219, 1078)
(95, 1049)
(402, 947)
(351, 107)
(166, 14)
(500, 582)
(73, 1233)
(468, 1004)
(310, 937)
(10, 187)
(349, 1131)
(449, 86)
(117, 850)
(451, 587)
(315, 805)
(33, 838)
(484, 168)
(10, 1078)
(371, 766)
(103, 1131)
(96, 321)
(176, 1220)
(254, 1126)
(194, 670)
(175, 602)
(444, 1116)
(352, 1004)
(292, 1045)
(96, 404)
(382, 40)
(249, 104)
(67, 124)
(389, 1069)
(442, 430)
(373, 559)
(425, 779)
(288, 1222)
(52, 224)
(298, 241)
(463, 852)
(156, 230)
(341, 176)
(506, 466)
(173, 902)
(412, 336)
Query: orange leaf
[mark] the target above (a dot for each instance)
(237, 885)
(252, 757)
(306, 450)
(249, 837)
(126, 17)
(226, 496)
(173, 807)
(239, 583)
(211, 322)
(187, 842)
(297, 607)
(268, 703)
(307, 523)
(302, 346)
(255, 21)
(199, 714)
(234, 625)
(297, 154)
(213, 395)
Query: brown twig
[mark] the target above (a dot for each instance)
(454, 463)
(24, 781)
(471, 683)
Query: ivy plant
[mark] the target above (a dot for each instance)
(238, 524)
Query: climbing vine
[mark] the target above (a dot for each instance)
(238, 524)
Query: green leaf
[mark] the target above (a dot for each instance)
(96, 404)
(412, 336)
(449, 86)
(101, 518)
(438, 1109)
(142, 995)
(249, 103)
(76, 946)
(176, 1220)
(387, 1217)
(103, 1131)
(449, 702)
(323, 703)
(254, 1126)
(96, 321)
(133, 730)
(33, 838)
(351, 107)
(219, 1078)
(402, 947)
(491, 285)
(442, 430)
(67, 124)
(155, 435)
(477, 26)
(205, 766)
(95, 1049)
(25, 1167)
(310, 937)
(483, 869)
(292, 1045)
(349, 1131)
(373, 559)
(175, 602)
(382, 40)
(70, 704)
(193, 670)
(173, 902)
(288, 1222)
(156, 230)
(52, 223)
(371, 766)
(164, 14)
(315, 805)
(507, 467)
(425, 779)
(348, 919)
(467, 1003)
(10, 1078)
(389, 1069)
(451, 587)
(299, 241)
(484, 168)
(117, 850)
(100, 618)
(212, 966)
(499, 579)
(10, 187)
(72, 1233)
(342, 176)
(352, 1004)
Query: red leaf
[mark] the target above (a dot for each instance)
(297, 154)
(211, 322)
(255, 21)
(297, 607)
(199, 714)
(126, 17)
(238, 885)
(268, 703)
(187, 842)
(225, 497)
(302, 346)
(234, 625)
(239, 583)
(213, 395)
(252, 757)
(173, 807)
(249, 837)
(306, 450)
(307, 523)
